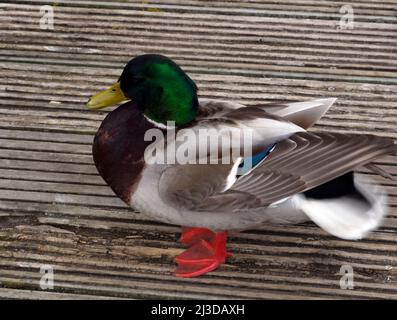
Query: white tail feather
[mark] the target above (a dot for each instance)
(347, 217)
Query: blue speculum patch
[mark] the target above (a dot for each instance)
(251, 162)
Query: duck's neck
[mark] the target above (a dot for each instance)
(118, 149)
(177, 103)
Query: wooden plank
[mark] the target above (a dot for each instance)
(44, 295)
(178, 7)
(55, 209)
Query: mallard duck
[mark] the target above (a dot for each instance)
(293, 175)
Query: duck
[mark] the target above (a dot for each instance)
(290, 175)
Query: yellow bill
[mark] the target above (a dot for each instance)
(106, 98)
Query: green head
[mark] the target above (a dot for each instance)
(158, 86)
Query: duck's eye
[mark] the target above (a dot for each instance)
(136, 79)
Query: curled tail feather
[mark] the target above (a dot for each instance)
(346, 207)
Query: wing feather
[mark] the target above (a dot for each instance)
(298, 163)
(305, 114)
(313, 159)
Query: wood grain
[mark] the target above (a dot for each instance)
(55, 209)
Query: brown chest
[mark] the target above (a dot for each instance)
(118, 149)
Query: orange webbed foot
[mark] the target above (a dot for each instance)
(207, 252)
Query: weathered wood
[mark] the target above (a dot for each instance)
(55, 209)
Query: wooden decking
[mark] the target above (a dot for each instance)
(56, 210)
